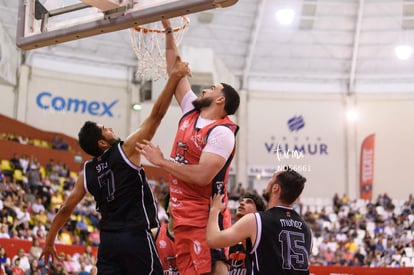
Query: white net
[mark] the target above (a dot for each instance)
(148, 43)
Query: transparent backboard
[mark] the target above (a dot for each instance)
(47, 22)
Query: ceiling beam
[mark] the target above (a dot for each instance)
(351, 84)
(253, 41)
(387, 77)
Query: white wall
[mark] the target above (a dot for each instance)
(8, 58)
(7, 100)
(322, 137)
(390, 118)
(387, 116)
(209, 64)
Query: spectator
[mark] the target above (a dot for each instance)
(4, 261)
(15, 162)
(38, 206)
(70, 265)
(35, 250)
(58, 143)
(24, 262)
(41, 232)
(329, 256)
(59, 269)
(34, 163)
(49, 167)
(65, 236)
(88, 255)
(93, 238)
(83, 270)
(64, 171)
(16, 269)
(4, 231)
(359, 258)
(82, 228)
(34, 179)
(24, 162)
(22, 213)
(35, 268)
(56, 200)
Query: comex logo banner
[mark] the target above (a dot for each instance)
(46, 101)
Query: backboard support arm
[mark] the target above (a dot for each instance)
(106, 24)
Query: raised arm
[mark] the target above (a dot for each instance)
(159, 109)
(61, 218)
(171, 53)
(240, 231)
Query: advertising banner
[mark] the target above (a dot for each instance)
(366, 170)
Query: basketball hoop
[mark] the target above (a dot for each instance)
(148, 43)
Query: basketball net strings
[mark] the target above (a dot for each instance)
(148, 45)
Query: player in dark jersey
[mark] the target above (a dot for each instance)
(239, 261)
(123, 197)
(278, 239)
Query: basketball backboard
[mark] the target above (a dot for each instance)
(48, 22)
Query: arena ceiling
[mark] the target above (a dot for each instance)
(348, 44)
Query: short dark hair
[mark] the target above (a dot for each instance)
(260, 206)
(232, 99)
(291, 183)
(88, 138)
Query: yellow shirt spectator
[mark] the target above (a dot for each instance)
(65, 238)
(56, 200)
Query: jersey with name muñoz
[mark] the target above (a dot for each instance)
(283, 243)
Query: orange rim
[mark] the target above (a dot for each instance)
(177, 29)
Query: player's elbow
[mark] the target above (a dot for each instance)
(211, 241)
(203, 180)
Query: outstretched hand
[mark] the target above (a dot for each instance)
(217, 203)
(49, 252)
(181, 69)
(151, 152)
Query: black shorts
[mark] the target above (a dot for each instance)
(128, 253)
(218, 254)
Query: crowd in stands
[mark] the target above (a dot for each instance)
(27, 207)
(56, 142)
(346, 232)
(362, 233)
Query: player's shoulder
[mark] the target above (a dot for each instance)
(222, 130)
